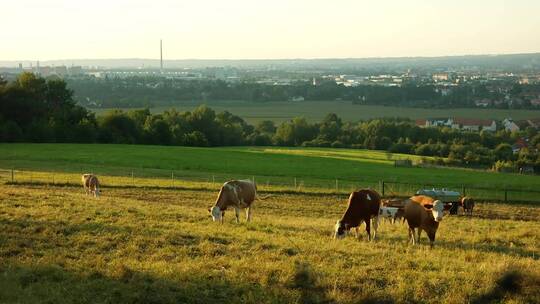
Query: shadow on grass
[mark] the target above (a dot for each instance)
(511, 284)
(54, 284)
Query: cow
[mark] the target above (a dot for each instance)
(424, 213)
(363, 206)
(389, 213)
(90, 184)
(468, 205)
(237, 194)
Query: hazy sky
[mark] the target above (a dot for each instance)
(248, 29)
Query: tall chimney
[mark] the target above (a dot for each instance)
(161, 55)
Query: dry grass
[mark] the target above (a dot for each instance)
(160, 246)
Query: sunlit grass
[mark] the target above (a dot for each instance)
(159, 246)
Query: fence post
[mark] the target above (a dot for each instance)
(172, 178)
(295, 183)
(213, 180)
(506, 195)
(132, 179)
(12, 179)
(337, 185)
(381, 185)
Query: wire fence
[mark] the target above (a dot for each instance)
(141, 177)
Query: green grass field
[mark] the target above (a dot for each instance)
(317, 110)
(311, 168)
(136, 245)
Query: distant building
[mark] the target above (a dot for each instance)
(439, 122)
(535, 102)
(297, 98)
(483, 103)
(468, 124)
(519, 145)
(510, 125)
(437, 77)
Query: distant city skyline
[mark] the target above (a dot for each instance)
(279, 29)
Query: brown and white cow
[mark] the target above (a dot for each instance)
(468, 205)
(363, 206)
(423, 213)
(90, 184)
(237, 194)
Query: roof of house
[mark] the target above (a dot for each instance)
(473, 122)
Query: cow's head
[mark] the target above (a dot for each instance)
(437, 210)
(340, 230)
(216, 213)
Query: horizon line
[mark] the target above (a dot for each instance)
(274, 59)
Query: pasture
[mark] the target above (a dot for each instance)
(308, 169)
(314, 111)
(143, 245)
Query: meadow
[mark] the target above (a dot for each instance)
(316, 110)
(310, 169)
(144, 245)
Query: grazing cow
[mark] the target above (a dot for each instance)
(424, 213)
(363, 206)
(389, 213)
(90, 184)
(468, 205)
(238, 194)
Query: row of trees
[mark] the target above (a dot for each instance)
(154, 91)
(36, 110)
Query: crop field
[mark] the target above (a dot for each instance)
(317, 110)
(142, 245)
(310, 169)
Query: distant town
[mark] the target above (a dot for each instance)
(506, 81)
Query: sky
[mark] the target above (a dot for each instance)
(265, 29)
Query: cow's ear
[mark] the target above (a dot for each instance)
(428, 206)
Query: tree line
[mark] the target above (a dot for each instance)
(33, 109)
(152, 91)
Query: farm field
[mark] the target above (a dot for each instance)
(135, 245)
(307, 167)
(317, 110)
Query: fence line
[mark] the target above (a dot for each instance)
(338, 186)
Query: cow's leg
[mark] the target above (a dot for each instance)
(237, 213)
(357, 232)
(375, 226)
(248, 214)
(368, 229)
(419, 232)
(411, 236)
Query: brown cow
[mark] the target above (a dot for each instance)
(363, 206)
(468, 205)
(424, 213)
(238, 194)
(90, 184)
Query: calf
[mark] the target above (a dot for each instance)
(423, 213)
(90, 184)
(468, 205)
(363, 206)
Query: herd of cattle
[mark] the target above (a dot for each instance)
(420, 211)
